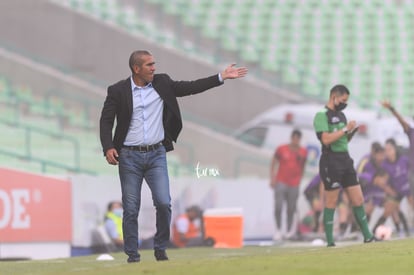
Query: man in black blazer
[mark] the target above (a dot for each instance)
(148, 120)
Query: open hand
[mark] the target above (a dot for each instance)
(232, 72)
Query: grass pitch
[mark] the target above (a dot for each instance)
(389, 257)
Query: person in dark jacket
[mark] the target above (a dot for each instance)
(148, 120)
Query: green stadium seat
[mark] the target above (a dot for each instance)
(195, 18)
(231, 42)
(155, 1)
(5, 93)
(38, 139)
(291, 73)
(312, 86)
(176, 7)
(211, 30)
(304, 34)
(249, 53)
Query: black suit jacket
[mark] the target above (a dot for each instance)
(118, 104)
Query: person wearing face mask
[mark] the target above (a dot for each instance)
(336, 167)
(113, 223)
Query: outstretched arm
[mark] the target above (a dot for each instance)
(185, 88)
(404, 124)
(232, 72)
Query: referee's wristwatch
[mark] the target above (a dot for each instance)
(345, 130)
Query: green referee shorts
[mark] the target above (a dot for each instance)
(337, 170)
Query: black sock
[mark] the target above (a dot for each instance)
(379, 222)
(317, 216)
(397, 226)
(342, 227)
(403, 220)
(354, 226)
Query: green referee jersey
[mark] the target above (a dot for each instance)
(329, 121)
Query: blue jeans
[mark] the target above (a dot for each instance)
(134, 166)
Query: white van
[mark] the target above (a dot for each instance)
(273, 128)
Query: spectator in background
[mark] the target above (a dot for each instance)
(410, 134)
(314, 195)
(188, 229)
(368, 184)
(396, 166)
(375, 146)
(374, 182)
(286, 172)
(345, 215)
(113, 223)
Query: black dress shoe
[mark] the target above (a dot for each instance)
(160, 255)
(133, 259)
(373, 239)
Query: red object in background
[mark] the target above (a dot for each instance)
(34, 208)
(224, 226)
(363, 129)
(289, 117)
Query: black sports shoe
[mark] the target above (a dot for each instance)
(373, 239)
(331, 245)
(133, 259)
(160, 255)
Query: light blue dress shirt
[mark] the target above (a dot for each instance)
(146, 127)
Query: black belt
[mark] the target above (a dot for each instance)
(144, 148)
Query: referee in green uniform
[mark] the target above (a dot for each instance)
(336, 167)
